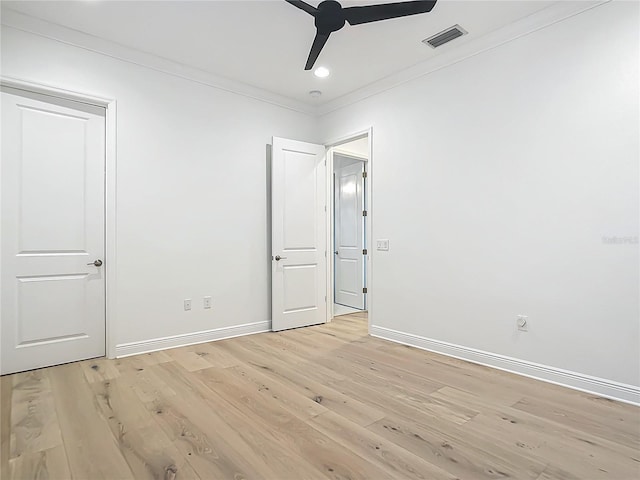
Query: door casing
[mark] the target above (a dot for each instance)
(110, 189)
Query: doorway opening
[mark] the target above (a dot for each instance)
(319, 271)
(349, 226)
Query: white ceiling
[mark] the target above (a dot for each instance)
(265, 43)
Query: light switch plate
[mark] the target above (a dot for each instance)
(207, 302)
(382, 245)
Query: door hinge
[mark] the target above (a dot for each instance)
(325, 254)
(364, 251)
(364, 174)
(364, 290)
(364, 213)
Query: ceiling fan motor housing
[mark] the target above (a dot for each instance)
(329, 17)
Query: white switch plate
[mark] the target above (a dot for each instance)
(382, 245)
(187, 304)
(207, 302)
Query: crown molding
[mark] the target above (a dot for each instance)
(555, 13)
(76, 38)
(551, 15)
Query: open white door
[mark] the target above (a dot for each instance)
(349, 240)
(52, 231)
(298, 234)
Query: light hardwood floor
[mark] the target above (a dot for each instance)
(318, 402)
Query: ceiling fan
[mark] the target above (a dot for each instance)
(330, 17)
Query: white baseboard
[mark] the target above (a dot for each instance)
(577, 381)
(155, 344)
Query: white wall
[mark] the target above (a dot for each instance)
(359, 147)
(191, 191)
(340, 161)
(496, 179)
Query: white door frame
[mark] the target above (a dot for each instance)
(110, 189)
(331, 145)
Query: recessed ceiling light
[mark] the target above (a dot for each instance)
(321, 72)
(315, 93)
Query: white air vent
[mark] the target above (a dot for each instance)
(445, 36)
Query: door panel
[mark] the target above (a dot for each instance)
(300, 287)
(349, 264)
(299, 200)
(53, 303)
(51, 218)
(298, 234)
(59, 299)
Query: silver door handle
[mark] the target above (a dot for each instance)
(278, 258)
(96, 263)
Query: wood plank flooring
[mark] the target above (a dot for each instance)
(314, 403)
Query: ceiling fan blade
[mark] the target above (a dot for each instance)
(385, 11)
(303, 6)
(318, 43)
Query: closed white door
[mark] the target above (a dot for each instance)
(52, 231)
(298, 192)
(349, 240)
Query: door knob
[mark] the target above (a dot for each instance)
(278, 258)
(97, 263)
(336, 252)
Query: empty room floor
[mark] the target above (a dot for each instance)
(318, 402)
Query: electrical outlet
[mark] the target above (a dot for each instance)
(522, 321)
(206, 303)
(187, 304)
